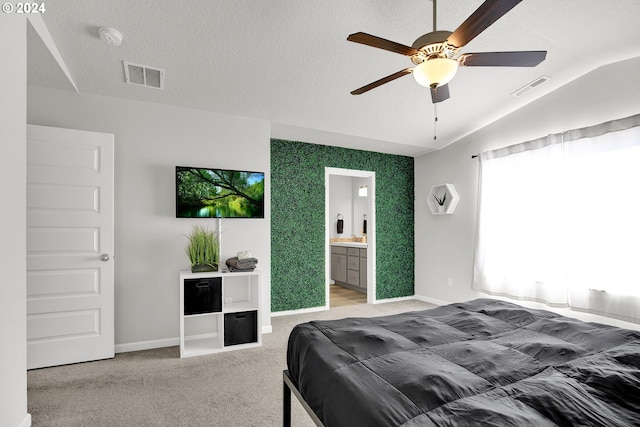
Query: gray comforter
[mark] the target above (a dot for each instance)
(483, 362)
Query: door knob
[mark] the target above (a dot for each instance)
(104, 257)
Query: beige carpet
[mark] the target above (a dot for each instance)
(157, 388)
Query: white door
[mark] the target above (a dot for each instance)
(70, 297)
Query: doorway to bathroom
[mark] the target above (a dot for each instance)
(350, 238)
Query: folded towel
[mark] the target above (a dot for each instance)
(244, 255)
(240, 270)
(247, 264)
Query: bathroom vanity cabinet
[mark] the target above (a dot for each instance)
(349, 266)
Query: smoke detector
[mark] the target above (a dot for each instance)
(111, 36)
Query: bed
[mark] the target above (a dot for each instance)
(483, 362)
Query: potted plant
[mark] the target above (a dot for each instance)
(441, 201)
(203, 250)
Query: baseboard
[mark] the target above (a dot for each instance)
(26, 422)
(431, 300)
(384, 301)
(147, 345)
(381, 301)
(167, 342)
(300, 311)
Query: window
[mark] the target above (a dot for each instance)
(559, 220)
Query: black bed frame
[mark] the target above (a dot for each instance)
(287, 387)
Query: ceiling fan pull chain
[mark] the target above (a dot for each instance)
(435, 120)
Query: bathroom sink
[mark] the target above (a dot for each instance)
(354, 242)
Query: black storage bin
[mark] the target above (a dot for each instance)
(202, 295)
(240, 328)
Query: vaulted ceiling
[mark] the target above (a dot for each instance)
(288, 61)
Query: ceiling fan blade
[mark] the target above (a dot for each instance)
(488, 13)
(374, 41)
(382, 81)
(439, 94)
(503, 59)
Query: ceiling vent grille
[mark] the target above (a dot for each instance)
(537, 82)
(143, 75)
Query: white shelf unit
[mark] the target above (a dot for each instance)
(204, 333)
(450, 203)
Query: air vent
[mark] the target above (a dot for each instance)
(537, 82)
(143, 75)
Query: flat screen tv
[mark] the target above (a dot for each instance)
(219, 193)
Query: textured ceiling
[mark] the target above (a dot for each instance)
(288, 61)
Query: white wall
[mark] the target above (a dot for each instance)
(445, 243)
(13, 287)
(360, 205)
(150, 140)
(344, 199)
(340, 202)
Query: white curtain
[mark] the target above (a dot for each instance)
(559, 220)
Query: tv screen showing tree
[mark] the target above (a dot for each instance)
(219, 193)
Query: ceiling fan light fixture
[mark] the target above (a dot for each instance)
(435, 72)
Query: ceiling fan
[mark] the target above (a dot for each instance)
(435, 54)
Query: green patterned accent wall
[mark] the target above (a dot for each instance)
(297, 221)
